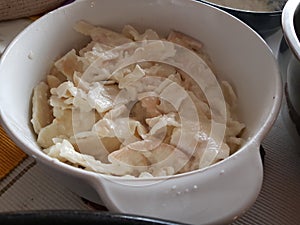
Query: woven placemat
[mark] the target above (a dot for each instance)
(13, 9)
(10, 154)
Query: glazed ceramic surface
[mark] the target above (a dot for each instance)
(214, 195)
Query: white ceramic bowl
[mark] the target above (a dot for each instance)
(213, 195)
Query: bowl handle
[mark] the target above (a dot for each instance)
(217, 194)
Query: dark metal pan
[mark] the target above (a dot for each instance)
(71, 217)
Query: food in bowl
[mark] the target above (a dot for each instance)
(252, 5)
(142, 119)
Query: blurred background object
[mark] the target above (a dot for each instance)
(14, 9)
(290, 53)
(264, 21)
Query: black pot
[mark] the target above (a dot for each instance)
(265, 23)
(291, 31)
